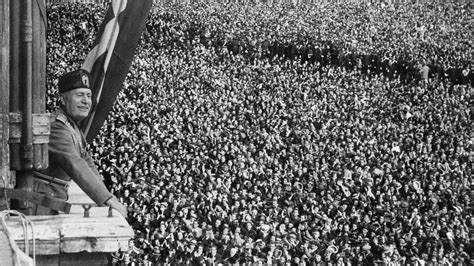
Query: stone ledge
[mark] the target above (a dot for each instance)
(73, 233)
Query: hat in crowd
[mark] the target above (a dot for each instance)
(259, 242)
(74, 80)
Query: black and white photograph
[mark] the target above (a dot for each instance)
(236, 132)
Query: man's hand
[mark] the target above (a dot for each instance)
(115, 204)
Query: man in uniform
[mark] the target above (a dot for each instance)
(68, 158)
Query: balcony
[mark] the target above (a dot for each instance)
(72, 239)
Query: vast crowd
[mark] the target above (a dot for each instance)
(276, 134)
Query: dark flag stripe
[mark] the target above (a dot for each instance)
(111, 57)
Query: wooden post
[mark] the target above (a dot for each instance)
(40, 150)
(5, 177)
(24, 178)
(26, 84)
(14, 75)
(29, 151)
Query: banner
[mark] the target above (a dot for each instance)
(111, 57)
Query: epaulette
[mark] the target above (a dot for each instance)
(62, 118)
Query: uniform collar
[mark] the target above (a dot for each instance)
(63, 116)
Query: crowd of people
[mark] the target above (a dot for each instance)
(287, 134)
(382, 40)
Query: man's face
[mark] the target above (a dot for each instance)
(77, 103)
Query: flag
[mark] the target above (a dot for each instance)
(111, 57)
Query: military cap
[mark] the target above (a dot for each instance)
(74, 80)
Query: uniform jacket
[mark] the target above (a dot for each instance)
(69, 159)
